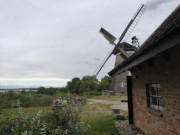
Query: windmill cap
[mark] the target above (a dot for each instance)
(125, 46)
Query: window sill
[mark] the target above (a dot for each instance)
(155, 112)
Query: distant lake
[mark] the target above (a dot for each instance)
(6, 90)
(3, 90)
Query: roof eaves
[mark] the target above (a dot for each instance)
(167, 27)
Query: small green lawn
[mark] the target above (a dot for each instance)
(99, 117)
(102, 125)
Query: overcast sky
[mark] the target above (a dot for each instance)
(48, 42)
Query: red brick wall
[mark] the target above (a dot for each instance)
(116, 93)
(167, 74)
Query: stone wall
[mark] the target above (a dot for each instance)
(120, 93)
(164, 70)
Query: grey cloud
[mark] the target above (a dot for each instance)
(97, 59)
(88, 63)
(154, 4)
(45, 39)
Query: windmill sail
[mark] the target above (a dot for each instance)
(125, 34)
(96, 72)
(132, 24)
(107, 35)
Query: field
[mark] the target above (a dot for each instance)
(30, 111)
(98, 116)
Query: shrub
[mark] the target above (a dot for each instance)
(91, 93)
(9, 100)
(64, 121)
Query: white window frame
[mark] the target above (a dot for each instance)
(156, 95)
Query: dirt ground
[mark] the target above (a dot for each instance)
(115, 104)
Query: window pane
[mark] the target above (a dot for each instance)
(154, 100)
(155, 88)
(159, 100)
(158, 85)
(154, 92)
(159, 93)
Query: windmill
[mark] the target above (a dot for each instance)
(126, 33)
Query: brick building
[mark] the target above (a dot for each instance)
(154, 85)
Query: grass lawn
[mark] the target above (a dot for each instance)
(112, 98)
(102, 125)
(30, 111)
(99, 117)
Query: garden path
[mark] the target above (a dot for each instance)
(115, 104)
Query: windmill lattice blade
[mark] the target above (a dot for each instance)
(132, 23)
(96, 72)
(136, 19)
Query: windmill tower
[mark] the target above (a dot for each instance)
(118, 83)
(122, 50)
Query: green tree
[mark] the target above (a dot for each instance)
(69, 86)
(65, 90)
(76, 82)
(47, 91)
(23, 91)
(105, 83)
(41, 90)
(51, 91)
(74, 85)
(11, 94)
(88, 83)
(106, 78)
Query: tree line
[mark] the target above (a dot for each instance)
(87, 84)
